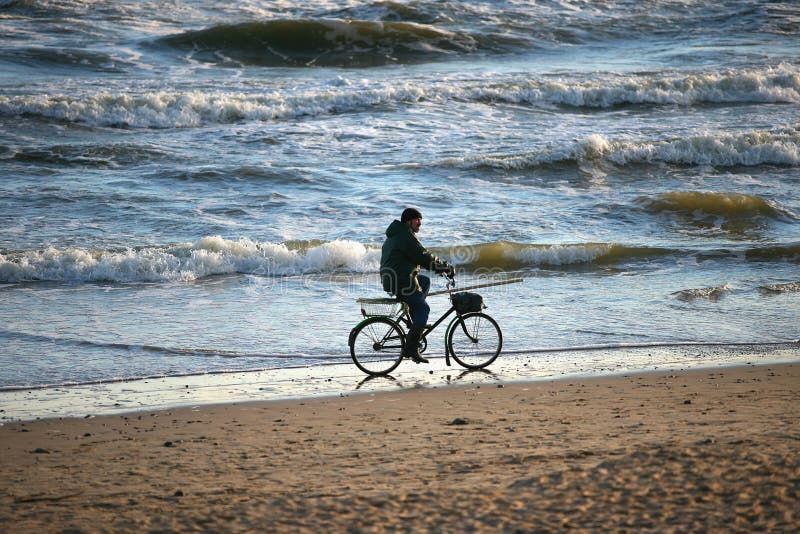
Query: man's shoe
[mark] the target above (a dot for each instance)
(411, 349)
(419, 359)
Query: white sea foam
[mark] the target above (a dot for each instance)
(191, 109)
(214, 255)
(752, 148)
(177, 109)
(208, 256)
(779, 84)
(779, 147)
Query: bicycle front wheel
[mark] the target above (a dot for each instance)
(376, 346)
(474, 340)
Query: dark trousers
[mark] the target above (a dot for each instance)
(416, 302)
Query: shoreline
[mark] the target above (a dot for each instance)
(702, 449)
(88, 400)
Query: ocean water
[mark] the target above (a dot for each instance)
(192, 187)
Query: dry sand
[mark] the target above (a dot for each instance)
(703, 450)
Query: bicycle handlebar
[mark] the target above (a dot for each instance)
(451, 280)
(488, 284)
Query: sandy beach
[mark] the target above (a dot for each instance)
(674, 451)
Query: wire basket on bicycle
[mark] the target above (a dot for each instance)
(382, 307)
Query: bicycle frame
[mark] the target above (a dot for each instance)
(428, 329)
(451, 284)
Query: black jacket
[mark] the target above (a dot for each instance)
(402, 256)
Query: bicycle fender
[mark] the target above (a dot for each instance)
(446, 336)
(353, 331)
(350, 338)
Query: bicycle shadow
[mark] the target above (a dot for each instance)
(377, 379)
(471, 372)
(467, 374)
(463, 375)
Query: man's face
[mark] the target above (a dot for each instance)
(415, 224)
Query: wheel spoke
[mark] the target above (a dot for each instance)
(475, 341)
(377, 345)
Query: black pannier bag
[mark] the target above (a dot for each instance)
(465, 302)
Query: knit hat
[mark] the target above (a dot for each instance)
(409, 214)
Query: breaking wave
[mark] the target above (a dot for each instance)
(729, 205)
(215, 255)
(329, 42)
(177, 109)
(780, 147)
(770, 85)
(510, 255)
(165, 109)
(207, 257)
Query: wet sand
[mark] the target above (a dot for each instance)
(674, 451)
(159, 393)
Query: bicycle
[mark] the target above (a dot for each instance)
(473, 339)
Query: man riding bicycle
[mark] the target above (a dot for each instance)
(402, 256)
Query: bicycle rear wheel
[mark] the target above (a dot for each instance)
(376, 346)
(474, 340)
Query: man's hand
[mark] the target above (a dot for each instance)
(446, 269)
